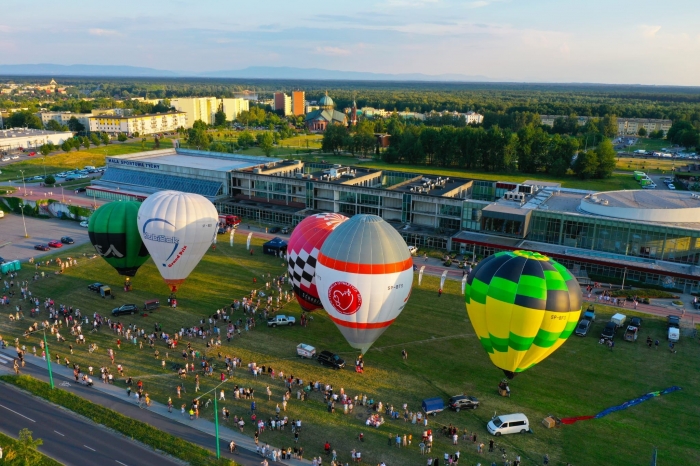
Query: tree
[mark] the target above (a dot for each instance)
(75, 126)
(198, 137)
(49, 180)
(53, 125)
(642, 132)
(333, 138)
(605, 153)
(246, 139)
(95, 139)
(220, 117)
(24, 119)
(586, 164)
(199, 124)
(105, 138)
(217, 147)
(86, 142)
(266, 143)
(156, 142)
(121, 137)
(45, 149)
(66, 146)
(24, 452)
(608, 125)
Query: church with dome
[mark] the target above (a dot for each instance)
(318, 120)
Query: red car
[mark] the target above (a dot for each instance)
(42, 247)
(31, 154)
(55, 244)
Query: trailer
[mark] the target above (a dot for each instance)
(631, 333)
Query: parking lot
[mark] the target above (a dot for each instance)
(14, 246)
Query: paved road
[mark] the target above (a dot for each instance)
(127, 408)
(69, 438)
(13, 244)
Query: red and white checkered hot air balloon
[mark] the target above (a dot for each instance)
(302, 254)
(364, 276)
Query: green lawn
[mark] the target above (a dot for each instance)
(445, 359)
(649, 165)
(650, 144)
(60, 161)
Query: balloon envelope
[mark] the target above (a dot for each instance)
(364, 276)
(523, 306)
(114, 233)
(177, 228)
(302, 254)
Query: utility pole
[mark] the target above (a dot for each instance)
(48, 360)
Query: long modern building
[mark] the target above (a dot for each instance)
(141, 124)
(643, 237)
(12, 139)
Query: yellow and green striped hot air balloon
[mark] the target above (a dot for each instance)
(523, 306)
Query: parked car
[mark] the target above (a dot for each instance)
(609, 331)
(583, 327)
(280, 320)
(327, 358)
(636, 322)
(84, 224)
(306, 351)
(674, 322)
(286, 230)
(67, 240)
(71, 177)
(631, 333)
(55, 244)
(31, 154)
(42, 247)
(80, 190)
(95, 286)
(275, 230)
(15, 157)
(590, 313)
(463, 402)
(125, 309)
(508, 424)
(5, 159)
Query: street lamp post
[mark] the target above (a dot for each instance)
(63, 199)
(216, 416)
(24, 182)
(48, 360)
(21, 206)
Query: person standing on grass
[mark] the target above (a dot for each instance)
(545, 461)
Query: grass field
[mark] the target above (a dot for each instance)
(649, 165)
(60, 161)
(445, 358)
(567, 181)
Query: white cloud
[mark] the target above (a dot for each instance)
(102, 32)
(332, 51)
(649, 31)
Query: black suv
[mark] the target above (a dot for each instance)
(125, 309)
(329, 359)
(609, 331)
(95, 287)
(463, 402)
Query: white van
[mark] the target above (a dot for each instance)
(508, 424)
(89, 167)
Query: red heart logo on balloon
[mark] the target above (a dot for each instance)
(344, 297)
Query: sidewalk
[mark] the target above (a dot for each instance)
(226, 434)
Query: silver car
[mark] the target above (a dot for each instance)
(583, 327)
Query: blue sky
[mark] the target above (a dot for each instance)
(612, 41)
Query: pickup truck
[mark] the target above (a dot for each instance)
(280, 320)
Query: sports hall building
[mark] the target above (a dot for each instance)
(644, 237)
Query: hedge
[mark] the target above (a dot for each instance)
(137, 430)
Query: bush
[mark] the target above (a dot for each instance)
(140, 431)
(11, 447)
(122, 137)
(49, 180)
(644, 293)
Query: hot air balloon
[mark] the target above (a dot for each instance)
(177, 228)
(364, 276)
(115, 235)
(523, 306)
(302, 254)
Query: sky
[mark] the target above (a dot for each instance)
(601, 41)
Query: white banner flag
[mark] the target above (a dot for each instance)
(247, 244)
(420, 275)
(230, 236)
(215, 238)
(464, 283)
(442, 279)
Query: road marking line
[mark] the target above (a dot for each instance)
(59, 433)
(120, 462)
(28, 418)
(89, 448)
